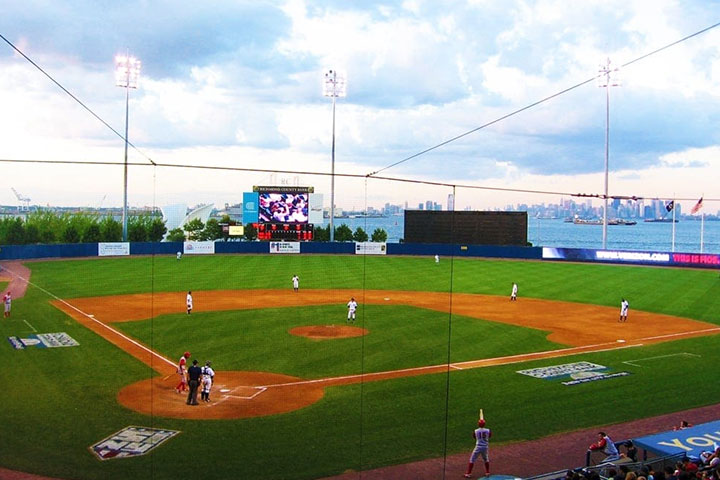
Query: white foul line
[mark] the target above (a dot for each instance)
(683, 354)
(26, 323)
(92, 318)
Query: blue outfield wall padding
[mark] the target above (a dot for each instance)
(16, 252)
(241, 247)
(445, 250)
(155, 248)
(333, 248)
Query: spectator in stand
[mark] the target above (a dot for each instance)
(623, 472)
(670, 473)
(689, 466)
(631, 476)
(683, 425)
(659, 475)
(630, 451)
(607, 446)
(711, 459)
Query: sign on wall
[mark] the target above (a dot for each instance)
(284, 247)
(199, 248)
(370, 248)
(108, 249)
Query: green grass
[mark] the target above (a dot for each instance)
(60, 401)
(418, 337)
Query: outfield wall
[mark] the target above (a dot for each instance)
(22, 252)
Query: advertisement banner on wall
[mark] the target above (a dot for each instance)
(284, 247)
(370, 248)
(624, 256)
(198, 248)
(109, 249)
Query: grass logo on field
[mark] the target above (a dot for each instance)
(131, 442)
(43, 340)
(576, 373)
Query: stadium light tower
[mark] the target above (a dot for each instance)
(607, 78)
(127, 74)
(334, 85)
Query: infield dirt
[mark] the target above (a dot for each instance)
(582, 327)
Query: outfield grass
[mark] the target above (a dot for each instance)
(60, 401)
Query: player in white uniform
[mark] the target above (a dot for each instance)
(296, 282)
(437, 258)
(352, 306)
(182, 371)
(513, 294)
(208, 376)
(482, 442)
(179, 255)
(7, 300)
(624, 305)
(189, 302)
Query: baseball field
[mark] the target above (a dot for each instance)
(301, 394)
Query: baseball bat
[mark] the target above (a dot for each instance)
(481, 417)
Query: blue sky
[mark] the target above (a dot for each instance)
(238, 84)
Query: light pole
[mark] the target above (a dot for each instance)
(127, 73)
(607, 79)
(334, 85)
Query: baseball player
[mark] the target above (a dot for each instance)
(437, 258)
(179, 255)
(482, 441)
(208, 376)
(513, 294)
(182, 371)
(352, 306)
(296, 282)
(624, 310)
(608, 447)
(189, 302)
(7, 300)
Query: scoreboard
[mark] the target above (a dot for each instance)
(284, 231)
(283, 212)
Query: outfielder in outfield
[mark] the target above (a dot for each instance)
(352, 306)
(182, 371)
(482, 443)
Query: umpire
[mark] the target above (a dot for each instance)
(194, 373)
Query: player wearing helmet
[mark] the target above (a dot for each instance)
(181, 370)
(482, 440)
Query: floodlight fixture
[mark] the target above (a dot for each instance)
(127, 74)
(334, 86)
(608, 77)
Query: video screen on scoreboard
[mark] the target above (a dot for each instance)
(283, 207)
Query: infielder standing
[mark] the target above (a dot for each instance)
(189, 302)
(352, 306)
(513, 294)
(482, 441)
(624, 310)
(181, 370)
(7, 300)
(296, 282)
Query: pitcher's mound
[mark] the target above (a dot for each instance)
(324, 332)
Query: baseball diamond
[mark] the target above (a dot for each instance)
(281, 393)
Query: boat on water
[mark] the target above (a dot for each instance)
(661, 220)
(598, 221)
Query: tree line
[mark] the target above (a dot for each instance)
(47, 227)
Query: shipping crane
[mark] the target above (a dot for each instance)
(24, 201)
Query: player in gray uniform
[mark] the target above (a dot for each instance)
(607, 446)
(482, 442)
(624, 305)
(208, 377)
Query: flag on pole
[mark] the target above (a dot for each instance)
(697, 207)
(670, 205)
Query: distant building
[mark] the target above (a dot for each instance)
(176, 216)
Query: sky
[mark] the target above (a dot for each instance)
(238, 84)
